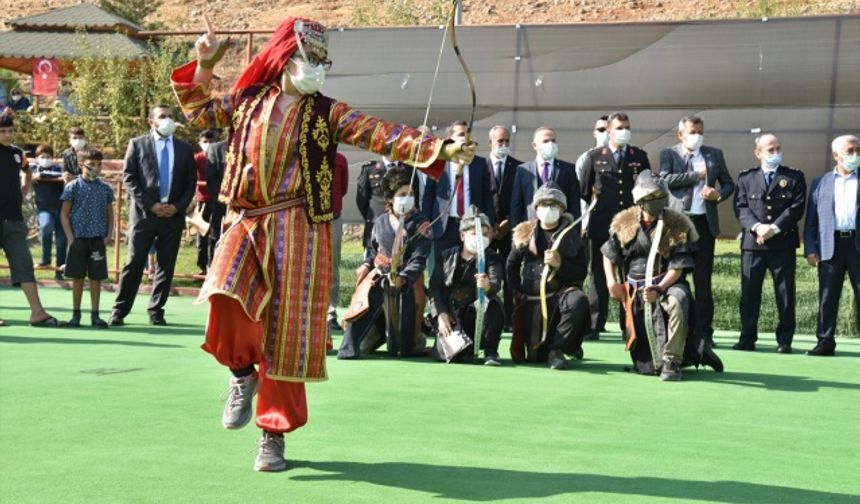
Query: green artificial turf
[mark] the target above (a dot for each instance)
(132, 414)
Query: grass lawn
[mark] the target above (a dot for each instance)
(133, 415)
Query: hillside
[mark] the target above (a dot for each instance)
(240, 14)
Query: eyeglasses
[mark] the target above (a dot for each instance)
(314, 60)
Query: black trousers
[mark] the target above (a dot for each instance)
(218, 211)
(166, 233)
(704, 269)
(782, 267)
(831, 275)
(203, 257)
(492, 330)
(380, 316)
(503, 247)
(598, 293)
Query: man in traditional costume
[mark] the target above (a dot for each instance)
(651, 282)
(270, 278)
(454, 290)
(395, 261)
(549, 321)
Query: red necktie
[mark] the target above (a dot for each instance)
(461, 197)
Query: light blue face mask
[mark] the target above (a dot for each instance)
(773, 160)
(850, 162)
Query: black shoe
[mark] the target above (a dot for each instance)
(508, 328)
(157, 319)
(333, 326)
(821, 351)
(711, 343)
(492, 360)
(746, 346)
(578, 354)
(75, 321)
(58, 275)
(97, 321)
(556, 360)
(786, 349)
(709, 358)
(593, 336)
(671, 371)
(115, 320)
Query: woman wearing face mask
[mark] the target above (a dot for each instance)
(550, 240)
(400, 226)
(627, 250)
(48, 187)
(270, 277)
(454, 284)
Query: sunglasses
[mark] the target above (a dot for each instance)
(601, 129)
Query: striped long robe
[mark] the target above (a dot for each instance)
(278, 265)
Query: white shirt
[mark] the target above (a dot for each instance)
(845, 202)
(159, 145)
(452, 183)
(697, 206)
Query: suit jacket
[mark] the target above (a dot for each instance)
(527, 182)
(142, 179)
(819, 228)
(781, 205)
(682, 182)
(613, 184)
(215, 173)
(438, 192)
(503, 191)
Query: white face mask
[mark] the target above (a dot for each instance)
(472, 242)
(403, 204)
(78, 143)
(602, 138)
(45, 162)
(772, 161)
(205, 147)
(502, 151)
(622, 136)
(548, 150)
(310, 78)
(165, 126)
(548, 215)
(850, 162)
(693, 141)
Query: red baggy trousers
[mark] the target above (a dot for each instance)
(236, 342)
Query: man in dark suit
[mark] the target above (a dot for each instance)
(542, 169)
(503, 170)
(160, 176)
(608, 174)
(453, 196)
(692, 171)
(214, 175)
(769, 204)
(830, 238)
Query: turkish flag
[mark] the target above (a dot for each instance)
(46, 77)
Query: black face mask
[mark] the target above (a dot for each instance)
(654, 207)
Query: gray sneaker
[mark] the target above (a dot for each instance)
(270, 453)
(237, 408)
(671, 371)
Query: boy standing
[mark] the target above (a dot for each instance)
(77, 143)
(48, 186)
(87, 217)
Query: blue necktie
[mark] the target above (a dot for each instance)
(164, 170)
(768, 179)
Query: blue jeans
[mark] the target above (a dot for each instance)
(50, 224)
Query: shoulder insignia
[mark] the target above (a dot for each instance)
(748, 170)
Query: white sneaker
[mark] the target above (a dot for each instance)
(270, 453)
(237, 408)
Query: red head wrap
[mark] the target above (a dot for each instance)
(269, 63)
